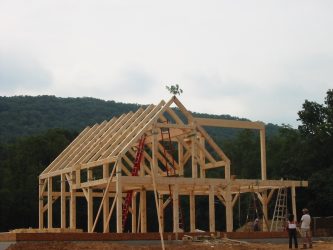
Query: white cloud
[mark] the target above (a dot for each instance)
(258, 59)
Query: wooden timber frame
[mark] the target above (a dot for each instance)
(97, 166)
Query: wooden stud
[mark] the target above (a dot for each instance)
(72, 205)
(63, 202)
(211, 209)
(293, 201)
(175, 211)
(49, 203)
(90, 203)
(134, 214)
(192, 212)
(143, 211)
(119, 204)
(263, 154)
(42, 185)
(106, 202)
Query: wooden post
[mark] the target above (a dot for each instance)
(211, 209)
(194, 156)
(143, 211)
(264, 211)
(49, 203)
(175, 203)
(90, 202)
(293, 201)
(41, 203)
(119, 205)
(72, 205)
(263, 154)
(106, 203)
(160, 197)
(202, 158)
(181, 159)
(63, 201)
(192, 212)
(228, 209)
(134, 217)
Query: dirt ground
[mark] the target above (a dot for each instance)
(322, 245)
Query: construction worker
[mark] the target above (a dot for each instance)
(306, 228)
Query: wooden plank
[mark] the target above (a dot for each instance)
(68, 148)
(90, 145)
(90, 135)
(211, 209)
(263, 154)
(42, 185)
(72, 204)
(210, 122)
(125, 131)
(107, 139)
(90, 203)
(216, 164)
(49, 204)
(175, 206)
(110, 214)
(143, 211)
(63, 202)
(137, 130)
(192, 212)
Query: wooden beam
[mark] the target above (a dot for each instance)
(63, 202)
(263, 154)
(143, 211)
(229, 123)
(49, 204)
(192, 212)
(211, 209)
(175, 203)
(42, 185)
(72, 204)
(134, 213)
(119, 204)
(106, 202)
(70, 147)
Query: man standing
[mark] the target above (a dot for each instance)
(305, 228)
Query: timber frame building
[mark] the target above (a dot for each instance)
(153, 149)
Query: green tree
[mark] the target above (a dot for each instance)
(174, 89)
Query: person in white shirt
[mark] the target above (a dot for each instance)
(306, 228)
(291, 227)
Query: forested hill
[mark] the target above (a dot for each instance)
(27, 115)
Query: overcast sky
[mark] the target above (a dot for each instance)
(254, 59)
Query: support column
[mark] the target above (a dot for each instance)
(194, 156)
(264, 211)
(192, 212)
(90, 203)
(202, 158)
(41, 203)
(181, 159)
(228, 209)
(49, 203)
(175, 204)
(160, 197)
(72, 205)
(293, 201)
(106, 203)
(119, 205)
(63, 201)
(134, 217)
(263, 154)
(211, 210)
(143, 211)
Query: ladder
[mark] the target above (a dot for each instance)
(280, 211)
(252, 213)
(168, 148)
(135, 171)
